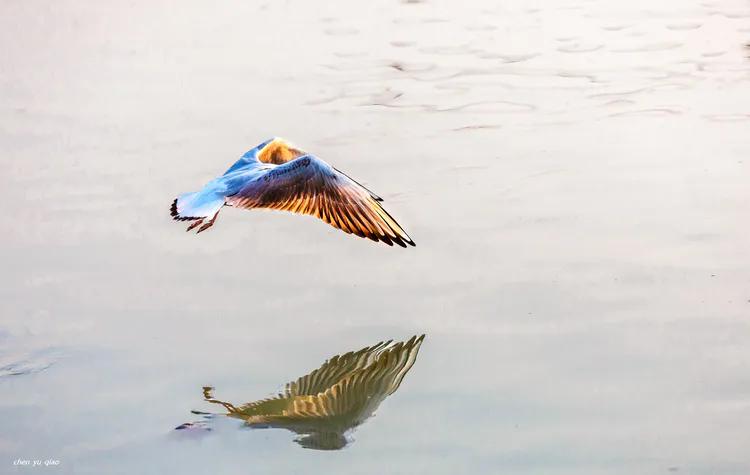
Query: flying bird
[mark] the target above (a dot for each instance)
(277, 175)
(325, 404)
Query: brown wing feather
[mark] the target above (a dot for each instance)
(307, 185)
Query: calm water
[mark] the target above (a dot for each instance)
(575, 175)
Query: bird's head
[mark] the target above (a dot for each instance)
(253, 152)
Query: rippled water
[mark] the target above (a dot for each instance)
(574, 173)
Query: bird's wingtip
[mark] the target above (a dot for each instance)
(173, 209)
(175, 213)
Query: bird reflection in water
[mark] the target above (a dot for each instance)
(340, 395)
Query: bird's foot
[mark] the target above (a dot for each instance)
(193, 225)
(208, 224)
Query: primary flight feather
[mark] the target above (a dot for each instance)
(276, 175)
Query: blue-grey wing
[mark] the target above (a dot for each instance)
(249, 157)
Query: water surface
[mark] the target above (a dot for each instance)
(574, 173)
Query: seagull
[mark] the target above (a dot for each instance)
(278, 175)
(325, 404)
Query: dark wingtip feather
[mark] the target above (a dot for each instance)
(176, 214)
(173, 209)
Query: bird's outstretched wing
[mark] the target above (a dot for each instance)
(308, 185)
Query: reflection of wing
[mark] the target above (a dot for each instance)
(353, 398)
(334, 369)
(329, 373)
(339, 395)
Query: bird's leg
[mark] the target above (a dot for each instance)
(193, 225)
(208, 224)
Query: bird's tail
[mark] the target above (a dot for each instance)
(197, 206)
